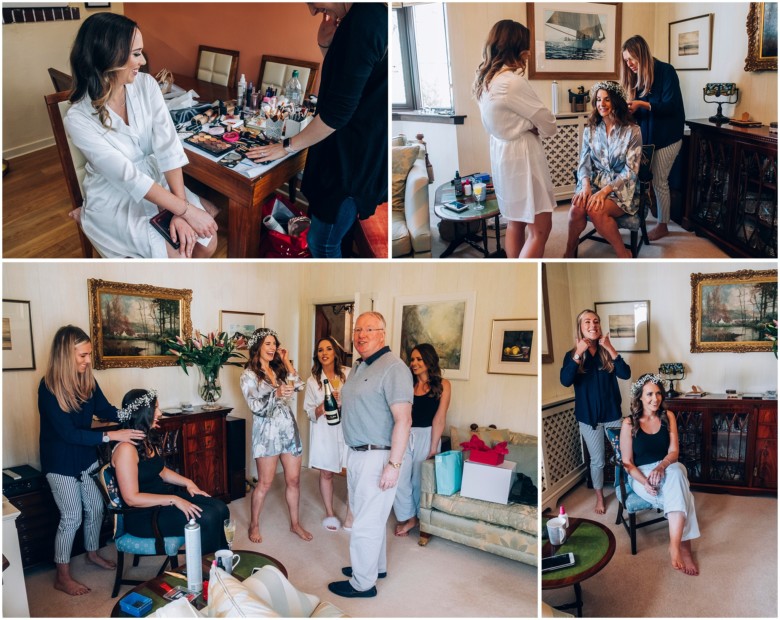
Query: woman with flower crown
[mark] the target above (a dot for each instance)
(68, 398)
(608, 170)
(275, 435)
(650, 449)
(145, 482)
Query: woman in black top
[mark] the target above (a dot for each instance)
(650, 449)
(346, 166)
(145, 482)
(429, 413)
(68, 398)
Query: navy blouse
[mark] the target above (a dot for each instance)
(665, 122)
(596, 393)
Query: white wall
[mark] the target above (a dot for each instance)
(573, 287)
(286, 293)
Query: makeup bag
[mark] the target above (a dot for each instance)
(279, 244)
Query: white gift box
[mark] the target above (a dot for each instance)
(488, 482)
(293, 128)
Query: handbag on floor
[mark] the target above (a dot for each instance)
(280, 218)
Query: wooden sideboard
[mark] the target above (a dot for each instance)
(732, 188)
(728, 444)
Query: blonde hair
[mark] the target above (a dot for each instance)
(606, 359)
(507, 47)
(70, 387)
(640, 51)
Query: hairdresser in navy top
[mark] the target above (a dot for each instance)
(346, 167)
(656, 102)
(68, 398)
(593, 367)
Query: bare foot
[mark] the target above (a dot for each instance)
(689, 563)
(254, 533)
(298, 529)
(677, 559)
(600, 508)
(76, 215)
(658, 232)
(95, 559)
(71, 586)
(403, 529)
(625, 253)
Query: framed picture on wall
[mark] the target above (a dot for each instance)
(444, 321)
(242, 323)
(18, 350)
(573, 40)
(762, 37)
(690, 43)
(547, 341)
(514, 347)
(628, 324)
(130, 322)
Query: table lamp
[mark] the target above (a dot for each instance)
(672, 371)
(721, 89)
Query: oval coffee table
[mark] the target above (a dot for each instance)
(593, 546)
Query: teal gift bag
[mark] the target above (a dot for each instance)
(449, 472)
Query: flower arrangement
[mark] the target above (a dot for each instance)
(482, 453)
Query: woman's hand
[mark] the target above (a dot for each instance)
(596, 201)
(128, 435)
(656, 476)
(651, 490)
(582, 197)
(636, 104)
(337, 396)
(200, 221)
(284, 390)
(269, 152)
(190, 510)
(605, 342)
(193, 489)
(583, 344)
(181, 231)
(327, 27)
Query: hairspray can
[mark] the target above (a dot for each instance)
(192, 546)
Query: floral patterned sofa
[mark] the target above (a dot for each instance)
(508, 530)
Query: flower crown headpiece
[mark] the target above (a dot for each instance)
(636, 388)
(260, 335)
(125, 413)
(610, 87)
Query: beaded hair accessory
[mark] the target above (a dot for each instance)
(636, 388)
(260, 335)
(610, 87)
(126, 413)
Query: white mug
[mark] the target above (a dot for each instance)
(228, 559)
(556, 531)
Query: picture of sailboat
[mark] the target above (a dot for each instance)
(573, 35)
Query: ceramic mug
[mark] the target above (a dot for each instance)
(227, 559)
(556, 531)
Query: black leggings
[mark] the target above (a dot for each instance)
(171, 521)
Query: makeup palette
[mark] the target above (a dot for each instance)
(213, 145)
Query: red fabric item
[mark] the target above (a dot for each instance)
(480, 452)
(279, 245)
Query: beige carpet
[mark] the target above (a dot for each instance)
(444, 579)
(738, 571)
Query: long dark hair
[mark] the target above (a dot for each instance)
(277, 365)
(316, 369)
(504, 49)
(637, 409)
(102, 47)
(620, 111)
(431, 360)
(142, 419)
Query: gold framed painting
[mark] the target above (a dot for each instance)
(762, 37)
(732, 311)
(130, 322)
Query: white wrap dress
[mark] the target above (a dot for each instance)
(327, 449)
(510, 109)
(122, 165)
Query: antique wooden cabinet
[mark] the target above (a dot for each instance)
(732, 191)
(728, 444)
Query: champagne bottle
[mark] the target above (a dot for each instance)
(332, 414)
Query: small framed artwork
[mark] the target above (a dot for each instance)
(18, 351)
(514, 348)
(732, 311)
(575, 40)
(131, 322)
(762, 37)
(547, 341)
(690, 43)
(628, 324)
(444, 321)
(240, 323)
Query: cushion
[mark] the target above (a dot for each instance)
(403, 160)
(328, 610)
(270, 585)
(513, 516)
(228, 598)
(490, 436)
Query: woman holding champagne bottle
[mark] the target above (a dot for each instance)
(650, 449)
(328, 451)
(275, 433)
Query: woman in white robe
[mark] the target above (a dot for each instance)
(516, 120)
(119, 121)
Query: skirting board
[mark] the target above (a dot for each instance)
(30, 147)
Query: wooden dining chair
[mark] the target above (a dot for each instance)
(61, 81)
(217, 65)
(72, 160)
(275, 71)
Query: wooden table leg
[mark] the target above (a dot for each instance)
(244, 222)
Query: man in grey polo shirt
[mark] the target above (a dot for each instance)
(377, 415)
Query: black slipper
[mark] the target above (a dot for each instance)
(344, 588)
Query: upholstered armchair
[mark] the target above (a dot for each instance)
(411, 219)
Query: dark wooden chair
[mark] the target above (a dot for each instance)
(217, 65)
(72, 160)
(61, 81)
(275, 71)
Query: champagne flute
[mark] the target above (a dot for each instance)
(230, 532)
(336, 385)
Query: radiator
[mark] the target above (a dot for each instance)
(563, 464)
(563, 153)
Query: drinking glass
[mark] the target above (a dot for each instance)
(480, 192)
(336, 385)
(230, 532)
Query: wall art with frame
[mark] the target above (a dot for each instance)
(18, 348)
(514, 347)
(690, 43)
(241, 323)
(628, 324)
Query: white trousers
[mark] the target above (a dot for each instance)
(371, 507)
(407, 499)
(675, 495)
